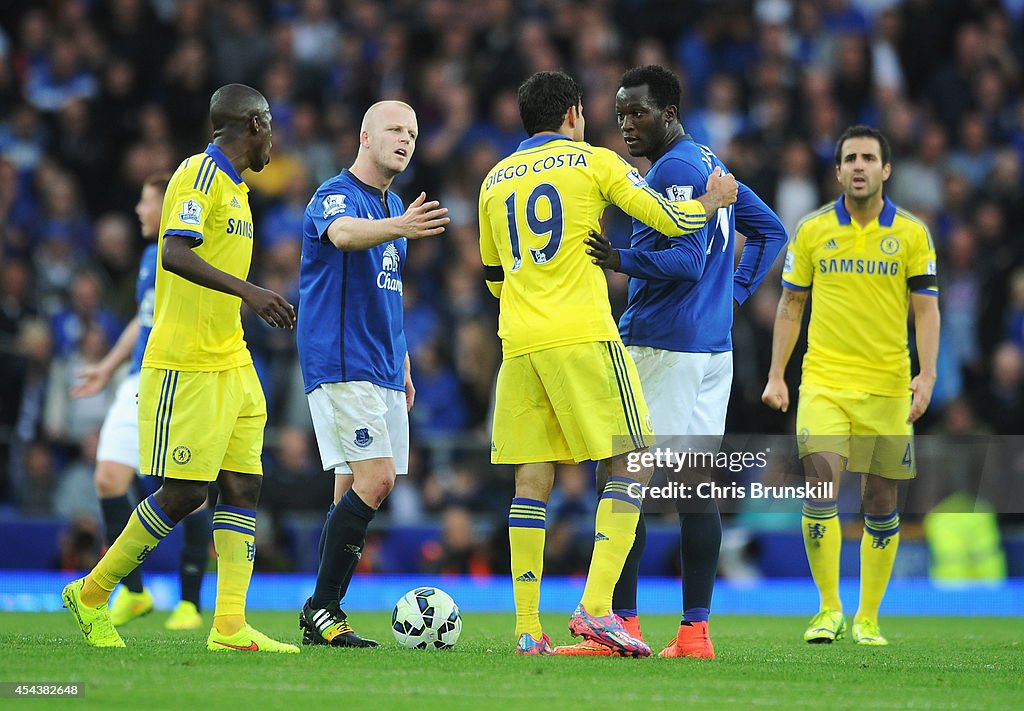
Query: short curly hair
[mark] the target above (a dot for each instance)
(663, 84)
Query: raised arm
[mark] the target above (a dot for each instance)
(421, 219)
(624, 187)
(683, 259)
(788, 318)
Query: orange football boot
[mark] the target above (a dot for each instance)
(692, 641)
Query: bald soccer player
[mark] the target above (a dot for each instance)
(352, 349)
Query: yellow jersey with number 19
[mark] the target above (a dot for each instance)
(536, 208)
(196, 328)
(860, 280)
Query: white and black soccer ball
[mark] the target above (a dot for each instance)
(426, 618)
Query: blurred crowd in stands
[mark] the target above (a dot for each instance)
(95, 95)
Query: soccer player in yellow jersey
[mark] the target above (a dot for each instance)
(201, 406)
(567, 389)
(117, 454)
(865, 261)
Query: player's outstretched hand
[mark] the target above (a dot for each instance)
(721, 190)
(424, 219)
(603, 253)
(271, 307)
(922, 387)
(776, 394)
(91, 380)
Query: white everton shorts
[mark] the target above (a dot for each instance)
(687, 393)
(119, 435)
(359, 420)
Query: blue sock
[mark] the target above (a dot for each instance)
(195, 554)
(343, 547)
(700, 544)
(323, 535)
(695, 614)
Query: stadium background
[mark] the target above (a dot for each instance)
(96, 95)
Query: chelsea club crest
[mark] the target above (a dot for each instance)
(182, 455)
(363, 438)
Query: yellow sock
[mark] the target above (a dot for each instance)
(618, 512)
(823, 539)
(877, 554)
(526, 540)
(145, 528)
(234, 538)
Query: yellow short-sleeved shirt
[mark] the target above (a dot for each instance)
(196, 328)
(860, 280)
(536, 207)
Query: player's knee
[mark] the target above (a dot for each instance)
(880, 495)
(380, 488)
(373, 480)
(878, 506)
(192, 499)
(821, 466)
(111, 480)
(632, 465)
(241, 490)
(534, 481)
(180, 498)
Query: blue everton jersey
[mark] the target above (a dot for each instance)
(682, 289)
(350, 302)
(145, 294)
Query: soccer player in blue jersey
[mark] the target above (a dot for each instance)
(567, 389)
(866, 262)
(117, 455)
(678, 327)
(352, 348)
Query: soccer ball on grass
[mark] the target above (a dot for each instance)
(426, 618)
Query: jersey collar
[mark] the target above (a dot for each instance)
(376, 192)
(885, 217)
(214, 151)
(684, 136)
(540, 139)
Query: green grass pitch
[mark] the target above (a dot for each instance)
(932, 663)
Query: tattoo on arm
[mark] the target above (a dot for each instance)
(791, 306)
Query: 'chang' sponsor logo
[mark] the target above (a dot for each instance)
(390, 277)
